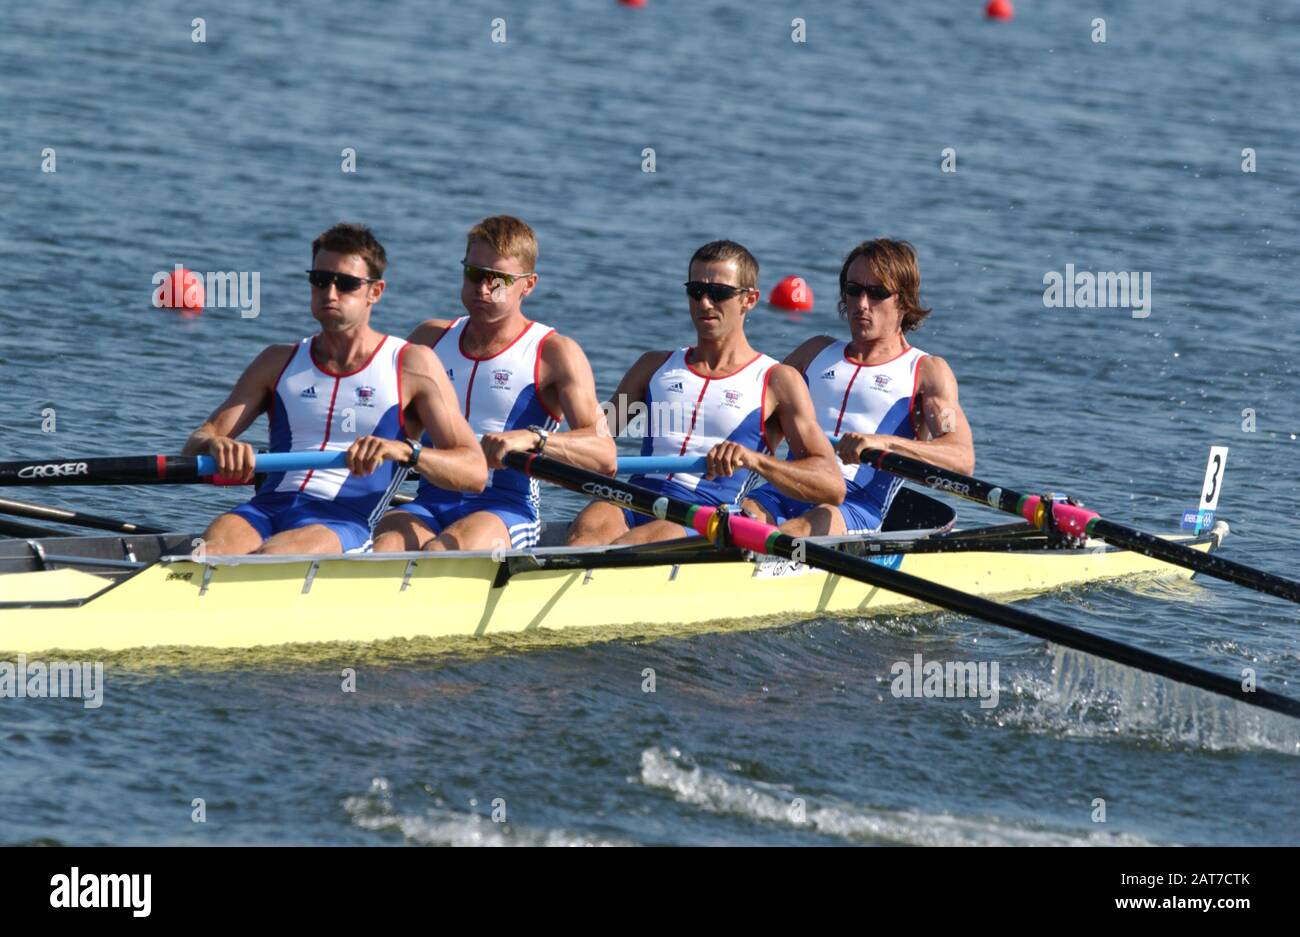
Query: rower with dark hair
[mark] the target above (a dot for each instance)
(346, 388)
(721, 399)
(873, 391)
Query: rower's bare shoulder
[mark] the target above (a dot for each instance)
(801, 357)
(935, 372)
(649, 363)
(429, 331)
(272, 360)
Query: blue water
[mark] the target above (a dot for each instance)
(1126, 155)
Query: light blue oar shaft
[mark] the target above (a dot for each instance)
(659, 464)
(283, 461)
(298, 461)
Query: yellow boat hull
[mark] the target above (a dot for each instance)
(256, 602)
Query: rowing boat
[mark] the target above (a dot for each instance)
(117, 593)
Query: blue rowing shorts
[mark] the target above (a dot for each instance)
(277, 511)
(520, 517)
(860, 517)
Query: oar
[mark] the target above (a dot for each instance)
(1070, 518)
(173, 469)
(1077, 521)
(763, 538)
(75, 518)
(151, 469)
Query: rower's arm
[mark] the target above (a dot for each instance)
(811, 474)
(567, 379)
(454, 461)
(247, 401)
(943, 435)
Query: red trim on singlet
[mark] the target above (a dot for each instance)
(460, 344)
(537, 379)
(469, 388)
(762, 410)
(445, 329)
(857, 368)
(329, 421)
(401, 408)
(686, 359)
(312, 351)
(906, 349)
(916, 383)
(694, 416)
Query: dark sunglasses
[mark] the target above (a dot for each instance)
(476, 274)
(718, 292)
(347, 283)
(876, 293)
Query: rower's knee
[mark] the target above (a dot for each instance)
(598, 524)
(400, 531)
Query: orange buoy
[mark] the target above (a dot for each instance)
(999, 10)
(793, 294)
(181, 289)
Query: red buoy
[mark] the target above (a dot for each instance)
(999, 10)
(632, 3)
(793, 294)
(182, 290)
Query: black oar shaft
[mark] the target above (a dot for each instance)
(114, 470)
(1026, 506)
(822, 557)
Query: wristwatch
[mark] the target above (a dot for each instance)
(414, 460)
(543, 434)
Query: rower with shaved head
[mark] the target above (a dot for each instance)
(721, 399)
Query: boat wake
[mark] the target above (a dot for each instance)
(441, 826)
(715, 792)
(1090, 698)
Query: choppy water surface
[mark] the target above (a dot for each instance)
(1118, 156)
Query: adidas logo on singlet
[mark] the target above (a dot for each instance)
(451, 374)
(828, 375)
(310, 392)
(675, 387)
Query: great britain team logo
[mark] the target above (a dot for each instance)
(501, 377)
(365, 396)
(882, 381)
(732, 398)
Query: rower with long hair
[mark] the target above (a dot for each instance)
(873, 390)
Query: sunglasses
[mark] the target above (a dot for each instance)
(476, 274)
(876, 293)
(347, 283)
(718, 292)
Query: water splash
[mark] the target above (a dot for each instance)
(713, 791)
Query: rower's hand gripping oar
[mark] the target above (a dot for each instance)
(1076, 521)
(754, 535)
